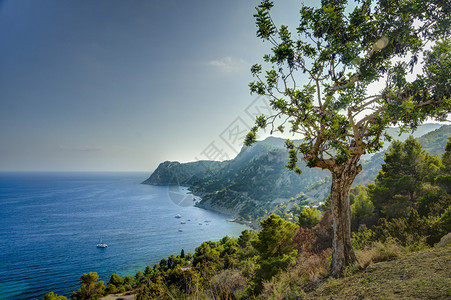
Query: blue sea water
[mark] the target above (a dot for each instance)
(50, 224)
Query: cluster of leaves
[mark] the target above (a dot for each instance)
(90, 288)
(339, 50)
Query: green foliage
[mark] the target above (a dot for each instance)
(326, 205)
(116, 280)
(309, 217)
(440, 226)
(405, 231)
(333, 39)
(90, 288)
(275, 238)
(206, 254)
(362, 208)
(275, 246)
(53, 296)
(111, 289)
(338, 50)
(435, 141)
(400, 184)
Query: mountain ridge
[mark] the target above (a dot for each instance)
(256, 180)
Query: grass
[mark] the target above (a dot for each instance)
(420, 275)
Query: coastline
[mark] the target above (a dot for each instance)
(251, 224)
(232, 214)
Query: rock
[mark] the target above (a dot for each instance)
(445, 240)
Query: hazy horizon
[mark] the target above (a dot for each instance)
(122, 86)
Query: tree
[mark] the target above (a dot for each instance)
(362, 208)
(444, 179)
(147, 271)
(275, 246)
(90, 289)
(309, 217)
(163, 264)
(110, 289)
(53, 296)
(339, 50)
(116, 280)
(401, 182)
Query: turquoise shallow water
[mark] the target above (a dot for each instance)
(50, 224)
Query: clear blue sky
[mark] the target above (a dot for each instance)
(123, 85)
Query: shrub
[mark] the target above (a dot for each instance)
(309, 217)
(405, 231)
(378, 252)
(289, 284)
(225, 284)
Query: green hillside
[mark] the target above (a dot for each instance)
(256, 181)
(433, 142)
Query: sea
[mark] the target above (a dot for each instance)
(50, 224)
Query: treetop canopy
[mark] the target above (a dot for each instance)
(319, 77)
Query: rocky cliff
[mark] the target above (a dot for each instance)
(175, 173)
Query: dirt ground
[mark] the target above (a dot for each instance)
(421, 275)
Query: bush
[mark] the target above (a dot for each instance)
(110, 289)
(53, 296)
(289, 284)
(405, 231)
(378, 251)
(309, 217)
(225, 284)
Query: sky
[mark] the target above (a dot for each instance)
(112, 85)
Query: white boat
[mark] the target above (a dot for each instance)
(183, 222)
(101, 245)
(178, 216)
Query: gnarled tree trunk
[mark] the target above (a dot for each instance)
(342, 178)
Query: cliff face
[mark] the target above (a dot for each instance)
(175, 173)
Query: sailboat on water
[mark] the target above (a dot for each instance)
(101, 245)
